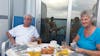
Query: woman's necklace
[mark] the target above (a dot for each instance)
(88, 31)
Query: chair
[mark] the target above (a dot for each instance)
(17, 20)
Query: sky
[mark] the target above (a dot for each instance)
(58, 8)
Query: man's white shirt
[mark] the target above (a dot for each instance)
(23, 35)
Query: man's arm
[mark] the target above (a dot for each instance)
(12, 40)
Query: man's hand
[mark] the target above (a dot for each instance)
(33, 39)
(11, 38)
(14, 44)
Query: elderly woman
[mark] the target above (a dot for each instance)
(88, 37)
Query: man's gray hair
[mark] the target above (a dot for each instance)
(28, 15)
(90, 14)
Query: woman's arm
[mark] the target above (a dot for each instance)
(76, 38)
(89, 52)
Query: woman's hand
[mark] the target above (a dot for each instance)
(88, 52)
(80, 50)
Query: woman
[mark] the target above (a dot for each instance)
(88, 37)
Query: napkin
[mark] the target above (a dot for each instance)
(74, 45)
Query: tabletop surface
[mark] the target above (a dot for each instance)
(16, 52)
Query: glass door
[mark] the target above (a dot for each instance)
(54, 20)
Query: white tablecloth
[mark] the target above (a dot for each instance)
(11, 52)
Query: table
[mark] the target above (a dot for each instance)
(12, 52)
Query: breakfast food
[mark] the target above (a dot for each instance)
(63, 52)
(47, 50)
(34, 53)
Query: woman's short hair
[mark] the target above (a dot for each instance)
(90, 14)
(87, 12)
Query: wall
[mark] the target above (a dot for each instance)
(3, 7)
(30, 7)
(98, 14)
(3, 20)
(38, 15)
(33, 7)
(3, 29)
(43, 10)
(19, 7)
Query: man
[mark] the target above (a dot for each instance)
(74, 28)
(53, 29)
(24, 33)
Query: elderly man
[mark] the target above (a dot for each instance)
(23, 33)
